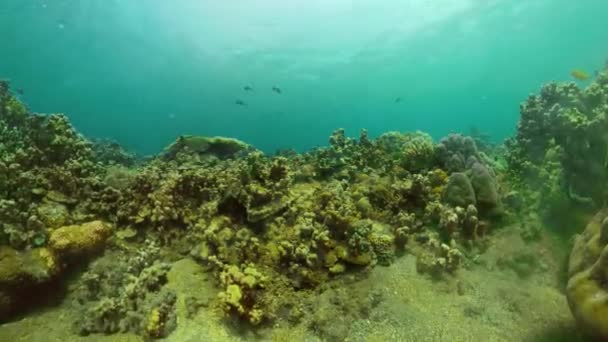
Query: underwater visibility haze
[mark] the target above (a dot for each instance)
(145, 72)
(270, 170)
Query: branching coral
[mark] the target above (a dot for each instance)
(561, 143)
(126, 293)
(47, 171)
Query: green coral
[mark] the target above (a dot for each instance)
(419, 152)
(561, 135)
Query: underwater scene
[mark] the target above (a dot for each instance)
(303, 170)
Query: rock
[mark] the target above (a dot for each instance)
(34, 266)
(459, 190)
(6, 304)
(21, 272)
(79, 240)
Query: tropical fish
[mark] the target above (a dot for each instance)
(247, 88)
(240, 103)
(579, 74)
(277, 90)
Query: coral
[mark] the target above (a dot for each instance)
(268, 228)
(588, 275)
(79, 240)
(472, 179)
(52, 214)
(419, 152)
(46, 170)
(459, 190)
(383, 247)
(205, 147)
(439, 259)
(126, 293)
(561, 143)
(458, 222)
(119, 177)
(240, 288)
(457, 152)
(486, 193)
(112, 153)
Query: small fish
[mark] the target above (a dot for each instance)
(579, 74)
(240, 103)
(20, 91)
(277, 90)
(247, 88)
(397, 100)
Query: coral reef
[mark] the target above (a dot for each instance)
(459, 190)
(112, 153)
(588, 276)
(302, 219)
(266, 227)
(48, 174)
(126, 292)
(240, 291)
(470, 169)
(23, 271)
(561, 144)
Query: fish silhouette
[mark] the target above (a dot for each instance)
(277, 90)
(397, 100)
(20, 91)
(580, 75)
(240, 103)
(247, 88)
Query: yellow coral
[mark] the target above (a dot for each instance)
(437, 190)
(588, 270)
(48, 258)
(154, 326)
(82, 239)
(438, 177)
(239, 285)
(232, 296)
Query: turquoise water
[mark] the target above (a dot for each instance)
(143, 72)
